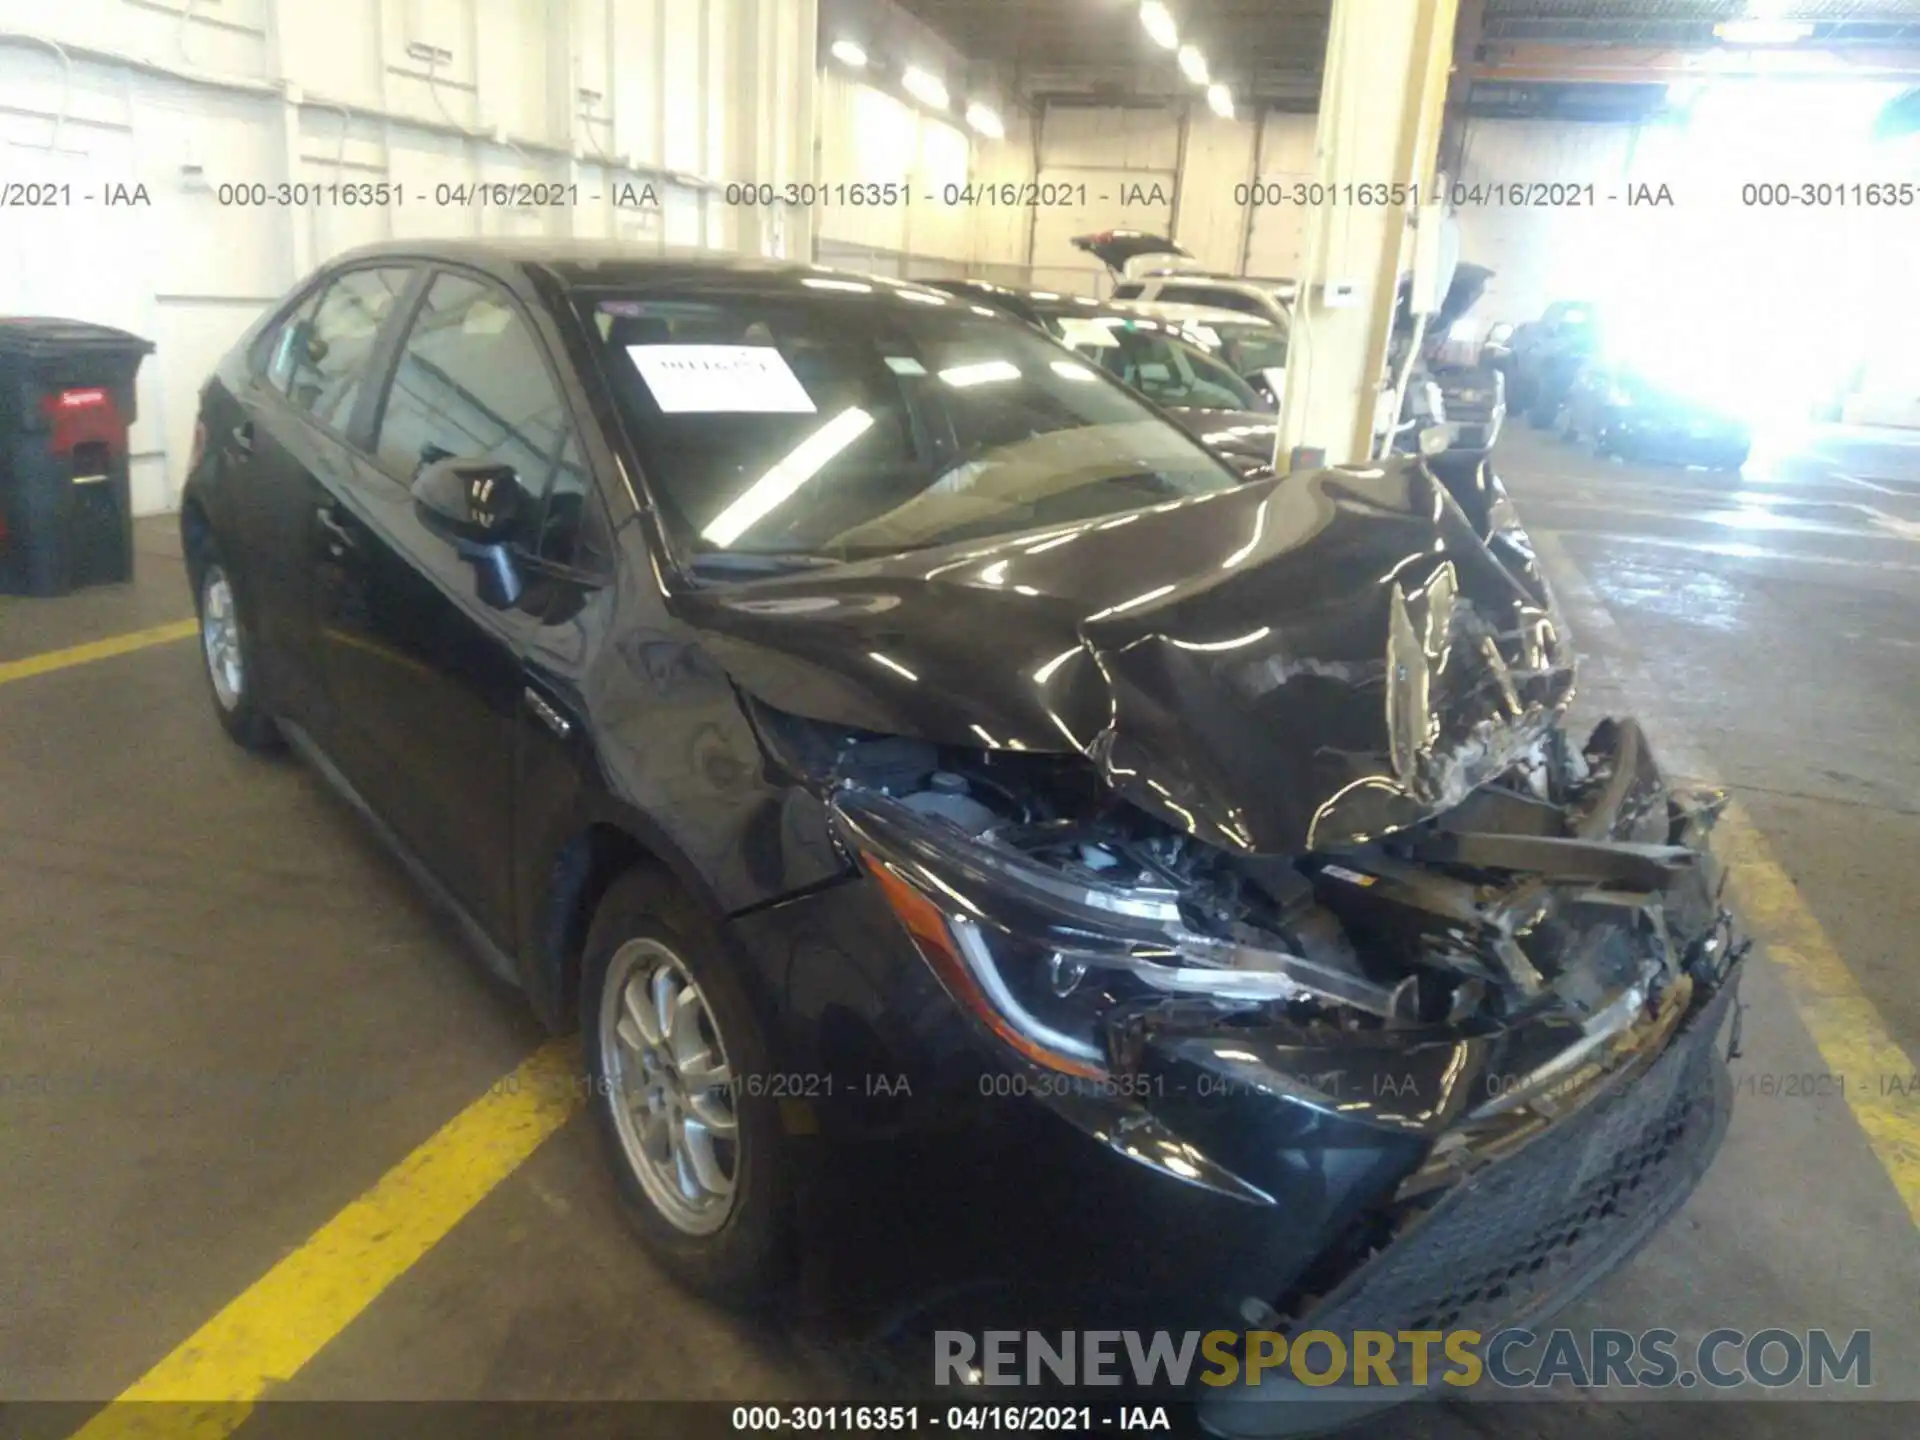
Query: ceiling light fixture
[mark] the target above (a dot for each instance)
(849, 53)
(986, 121)
(924, 87)
(1158, 21)
(1762, 32)
(1220, 100)
(1193, 64)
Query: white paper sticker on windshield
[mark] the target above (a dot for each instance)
(707, 379)
(1093, 334)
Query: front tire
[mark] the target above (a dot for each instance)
(230, 659)
(678, 1059)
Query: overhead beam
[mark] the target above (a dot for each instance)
(1636, 65)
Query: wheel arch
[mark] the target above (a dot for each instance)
(604, 845)
(196, 537)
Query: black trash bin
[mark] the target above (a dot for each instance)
(66, 404)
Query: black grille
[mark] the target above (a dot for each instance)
(1525, 1236)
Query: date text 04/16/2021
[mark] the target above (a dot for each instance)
(958, 1419)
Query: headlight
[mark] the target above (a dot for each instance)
(1040, 958)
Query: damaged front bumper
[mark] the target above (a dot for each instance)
(1467, 1174)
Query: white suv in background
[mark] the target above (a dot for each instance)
(1156, 270)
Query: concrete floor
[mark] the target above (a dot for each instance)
(183, 923)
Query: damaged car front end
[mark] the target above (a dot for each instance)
(1235, 821)
(1287, 881)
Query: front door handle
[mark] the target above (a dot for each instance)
(549, 716)
(242, 437)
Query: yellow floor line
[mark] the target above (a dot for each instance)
(1852, 1038)
(1875, 1073)
(281, 1322)
(11, 670)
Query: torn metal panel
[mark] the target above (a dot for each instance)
(1297, 663)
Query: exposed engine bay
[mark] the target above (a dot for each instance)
(1306, 807)
(1574, 889)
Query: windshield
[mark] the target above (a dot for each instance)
(848, 427)
(1248, 349)
(1165, 370)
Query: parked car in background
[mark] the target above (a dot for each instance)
(1620, 410)
(1474, 396)
(1177, 364)
(1153, 268)
(1159, 277)
(1251, 346)
(1547, 355)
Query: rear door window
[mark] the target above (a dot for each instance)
(323, 355)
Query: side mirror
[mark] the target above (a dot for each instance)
(480, 502)
(1274, 380)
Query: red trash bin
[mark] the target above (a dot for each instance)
(66, 404)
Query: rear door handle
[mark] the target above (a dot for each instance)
(548, 714)
(242, 437)
(339, 535)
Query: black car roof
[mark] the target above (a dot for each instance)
(1047, 302)
(583, 264)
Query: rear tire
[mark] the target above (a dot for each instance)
(229, 658)
(703, 1167)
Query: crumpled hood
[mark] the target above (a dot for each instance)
(1297, 663)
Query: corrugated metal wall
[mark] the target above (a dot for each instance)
(183, 97)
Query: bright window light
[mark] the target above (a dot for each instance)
(891, 664)
(1220, 100)
(1158, 22)
(924, 87)
(1193, 64)
(1762, 32)
(847, 52)
(983, 373)
(985, 121)
(801, 464)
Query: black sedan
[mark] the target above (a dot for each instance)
(1622, 411)
(788, 678)
(1181, 367)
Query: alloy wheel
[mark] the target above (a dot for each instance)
(220, 638)
(669, 1086)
